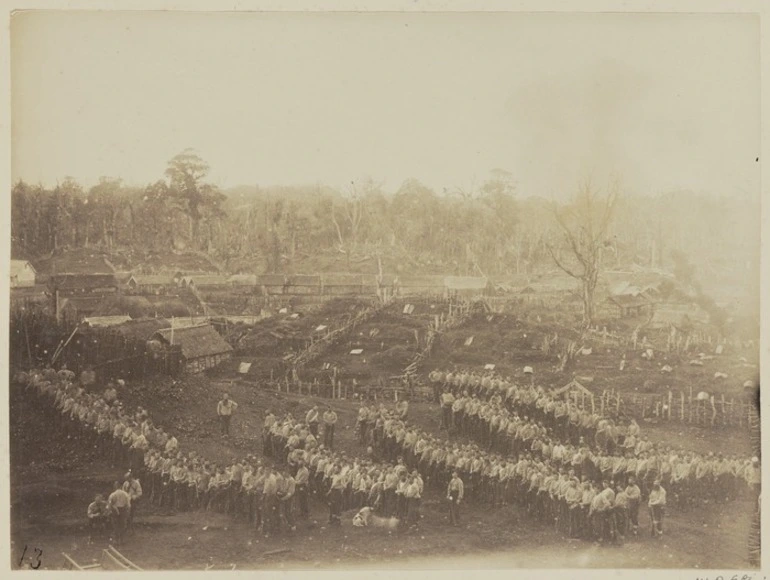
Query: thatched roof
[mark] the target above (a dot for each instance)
(196, 341)
(141, 328)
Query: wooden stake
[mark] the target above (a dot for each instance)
(681, 414)
(724, 415)
(670, 402)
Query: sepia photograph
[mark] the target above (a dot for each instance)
(384, 290)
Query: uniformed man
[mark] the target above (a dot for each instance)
(225, 409)
(454, 494)
(657, 504)
(330, 421)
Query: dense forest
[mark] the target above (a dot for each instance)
(493, 229)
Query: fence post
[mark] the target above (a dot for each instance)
(724, 416)
(670, 402)
(689, 402)
(681, 399)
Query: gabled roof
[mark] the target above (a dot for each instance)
(196, 341)
(573, 386)
(18, 266)
(629, 301)
(141, 328)
(124, 278)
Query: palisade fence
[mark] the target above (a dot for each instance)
(453, 313)
(715, 411)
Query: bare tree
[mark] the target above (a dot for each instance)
(584, 224)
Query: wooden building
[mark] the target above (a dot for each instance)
(202, 346)
(23, 274)
(628, 305)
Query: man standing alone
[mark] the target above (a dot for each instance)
(225, 409)
(454, 494)
(657, 503)
(330, 420)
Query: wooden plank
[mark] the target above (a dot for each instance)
(70, 564)
(121, 558)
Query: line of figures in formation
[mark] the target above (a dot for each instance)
(270, 497)
(509, 420)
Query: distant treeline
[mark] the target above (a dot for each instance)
(492, 229)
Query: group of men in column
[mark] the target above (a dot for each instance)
(511, 419)
(392, 489)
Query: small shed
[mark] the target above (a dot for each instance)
(202, 346)
(22, 274)
(628, 305)
(574, 391)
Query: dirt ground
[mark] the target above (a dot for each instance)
(53, 481)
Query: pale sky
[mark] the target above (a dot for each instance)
(664, 101)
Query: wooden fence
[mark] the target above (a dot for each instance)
(679, 407)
